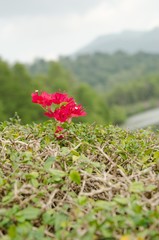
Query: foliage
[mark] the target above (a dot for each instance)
(104, 71)
(145, 88)
(136, 96)
(16, 87)
(100, 182)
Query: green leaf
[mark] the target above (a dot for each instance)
(48, 217)
(24, 228)
(65, 151)
(75, 177)
(60, 220)
(12, 231)
(75, 158)
(74, 152)
(1, 181)
(57, 175)
(48, 163)
(82, 200)
(32, 175)
(121, 200)
(156, 155)
(150, 188)
(136, 187)
(34, 182)
(8, 198)
(29, 213)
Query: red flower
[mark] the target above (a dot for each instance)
(59, 98)
(60, 114)
(49, 114)
(77, 111)
(66, 112)
(45, 99)
(57, 132)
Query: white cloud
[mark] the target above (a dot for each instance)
(131, 14)
(27, 37)
(10, 8)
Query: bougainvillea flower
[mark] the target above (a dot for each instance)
(49, 114)
(77, 111)
(58, 131)
(66, 112)
(58, 98)
(60, 114)
(45, 99)
(58, 106)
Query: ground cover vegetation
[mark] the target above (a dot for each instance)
(98, 182)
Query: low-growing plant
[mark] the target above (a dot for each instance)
(97, 183)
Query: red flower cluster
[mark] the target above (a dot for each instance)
(65, 108)
(44, 99)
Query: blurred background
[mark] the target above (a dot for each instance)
(104, 53)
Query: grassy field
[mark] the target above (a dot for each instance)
(98, 183)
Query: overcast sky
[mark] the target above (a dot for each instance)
(32, 29)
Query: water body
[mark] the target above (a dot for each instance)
(142, 120)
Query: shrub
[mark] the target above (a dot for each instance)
(99, 182)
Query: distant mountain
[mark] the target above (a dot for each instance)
(127, 41)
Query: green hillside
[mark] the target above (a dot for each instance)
(129, 83)
(103, 71)
(99, 182)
